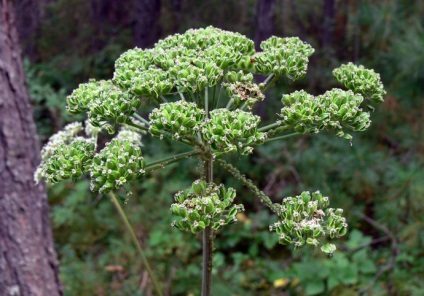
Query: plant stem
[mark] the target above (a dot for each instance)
(268, 79)
(141, 119)
(219, 96)
(214, 96)
(207, 241)
(163, 99)
(181, 95)
(270, 84)
(206, 100)
(248, 183)
(230, 102)
(140, 127)
(281, 137)
(267, 127)
(171, 159)
(244, 106)
(136, 242)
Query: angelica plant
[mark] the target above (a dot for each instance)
(202, 87)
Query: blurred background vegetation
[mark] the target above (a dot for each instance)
(379, 181)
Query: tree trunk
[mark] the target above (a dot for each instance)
(28, 264)
(146, 26)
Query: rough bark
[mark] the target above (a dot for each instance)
(146, 26)
(28, 264)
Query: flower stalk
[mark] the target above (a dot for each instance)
(136, 243)
(207, 238)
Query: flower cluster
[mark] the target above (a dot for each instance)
(63, 137)
(130, 65)
(283, 56)
(118, 163)
(248, 93)
(305, 219)
(202, 205)
(188, 77)
(103, 102)
(228, 131)
(198, 40)
(334, 110)
(152, 83)
(67, 161)
(179, 119)
(78, 101)
(186, 62)
(362, 81)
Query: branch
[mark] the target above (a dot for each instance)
(248, 183)
(169, 160)
(395, 249)
(268, 127)
(270, 84)
(281, 137)
(137, 116)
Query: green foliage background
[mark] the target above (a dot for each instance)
(381, 176)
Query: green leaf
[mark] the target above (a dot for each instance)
(314, 287)
(364, 263)
(356, 238)
(332, 282)
(349, 275)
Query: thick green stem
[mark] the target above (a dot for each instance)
(230, 102)
(140, 127)
(214, 96)
(281, 137)
(244, 106)
(268, 127)
(163, 99)
(206, 100)
(181, 95)
(219, 96)
(207, 236)
(168, 160)
(142, 119)
(270, 84)
(268, 79)
(136, 242)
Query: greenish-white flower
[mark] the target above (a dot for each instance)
(306, 220)
(202, 205)
(283, 57)
(118, 163)
(179, 119)
(362, 81)
(228, 131)
(336, 110)
(68, 161)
